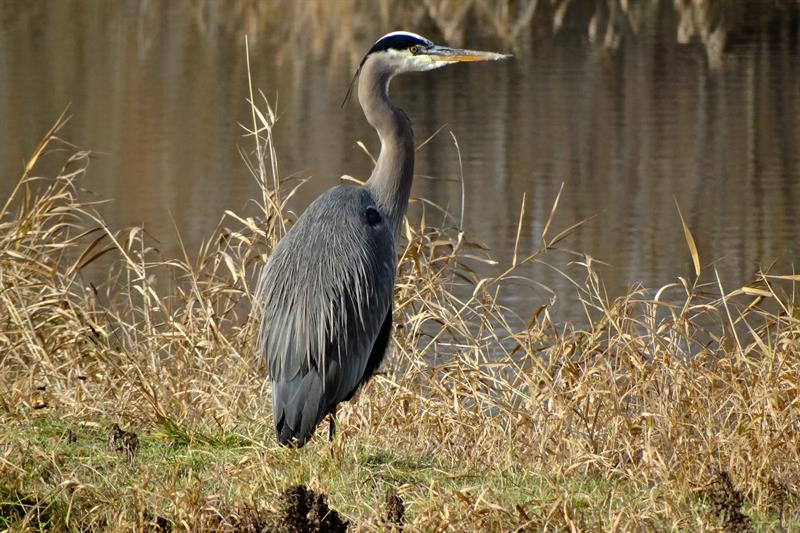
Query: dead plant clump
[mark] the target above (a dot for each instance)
(395, 509)
(480, 420)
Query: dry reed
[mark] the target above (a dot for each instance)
(672, 409)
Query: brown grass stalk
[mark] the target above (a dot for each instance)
(676, 408)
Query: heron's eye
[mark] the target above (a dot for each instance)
(414, 49)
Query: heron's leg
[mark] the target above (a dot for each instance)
(332, 425)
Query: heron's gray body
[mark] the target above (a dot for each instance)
(323, 331)
(326, 290)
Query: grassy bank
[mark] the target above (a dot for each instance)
(135, 399)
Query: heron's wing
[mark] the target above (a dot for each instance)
(325, 292)
(378, 352)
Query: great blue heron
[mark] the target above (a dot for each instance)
(326, 290)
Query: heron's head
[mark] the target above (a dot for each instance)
(402, 51)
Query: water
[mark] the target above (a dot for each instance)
(708, 119)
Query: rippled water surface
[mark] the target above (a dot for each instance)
(632, 111)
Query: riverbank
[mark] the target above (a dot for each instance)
(135, 399)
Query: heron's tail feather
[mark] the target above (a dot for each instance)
(298, 407)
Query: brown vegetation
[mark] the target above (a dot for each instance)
(676, 408)
(343, 29)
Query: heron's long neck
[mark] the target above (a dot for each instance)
(390, 182)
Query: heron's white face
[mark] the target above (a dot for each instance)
(406, 61)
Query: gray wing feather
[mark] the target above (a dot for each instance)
(324, 292)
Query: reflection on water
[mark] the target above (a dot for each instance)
(631, 105)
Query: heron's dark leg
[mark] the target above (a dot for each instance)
(332, 424)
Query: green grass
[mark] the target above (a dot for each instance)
(65, 477)
(174, 468)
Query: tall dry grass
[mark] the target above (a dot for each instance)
(677, 408)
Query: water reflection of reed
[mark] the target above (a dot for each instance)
(343, 28)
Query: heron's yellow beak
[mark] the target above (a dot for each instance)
(458, 55)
